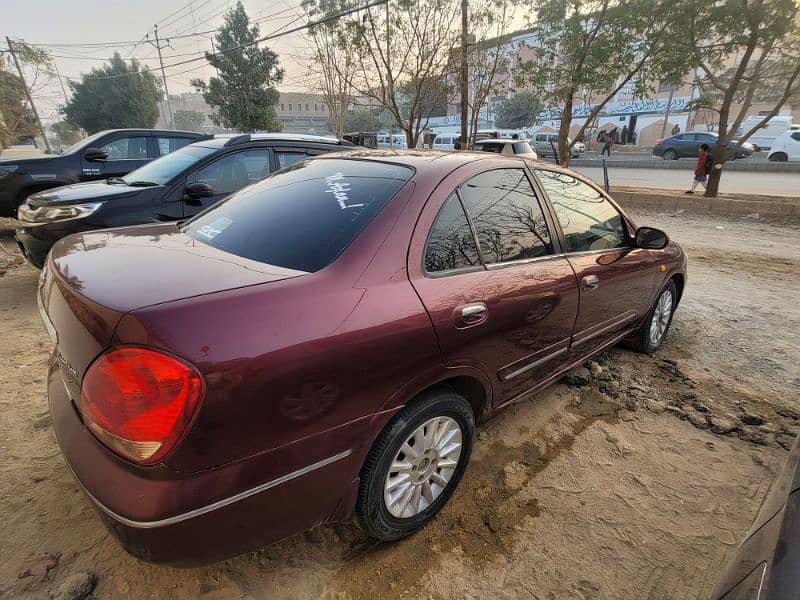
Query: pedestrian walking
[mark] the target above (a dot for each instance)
(702, 168)
(676, 130)
(624, 139)
(608, 143)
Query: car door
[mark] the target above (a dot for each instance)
(615, 279)
(704, 138)
(225, 175)
(124, 153)
(489, 273)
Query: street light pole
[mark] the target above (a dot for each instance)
(464, 83)
(28, 94)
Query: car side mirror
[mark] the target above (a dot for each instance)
(651, 238)
(94, 154)
(199, 189)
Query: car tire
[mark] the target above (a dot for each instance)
(778, 157)
(418, 491)
(649, 337)
(670, 154)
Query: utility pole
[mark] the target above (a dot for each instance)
(61, 81)
(389, 69)
(669, 106)
(28, 94)
(464, 83)
(171, 121)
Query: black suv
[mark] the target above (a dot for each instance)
(173, 187)
(111, 153)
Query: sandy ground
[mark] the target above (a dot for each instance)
(601, 491)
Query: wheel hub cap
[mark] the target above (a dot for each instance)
(423, 467)
(661, 315)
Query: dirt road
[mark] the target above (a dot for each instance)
(602, 491)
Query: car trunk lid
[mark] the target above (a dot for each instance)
(92, 280)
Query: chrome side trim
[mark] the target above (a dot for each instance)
(618, 323)
(220, 503)
(535, 364)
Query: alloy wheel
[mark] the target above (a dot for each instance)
(661, 315)
(423, 467)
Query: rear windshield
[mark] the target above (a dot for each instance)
(303, 216)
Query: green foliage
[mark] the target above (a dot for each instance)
(243, 95)
(362, 119)
(67, 133)
(518, 111)
(189, 120)
(117, 95)
(17, 121)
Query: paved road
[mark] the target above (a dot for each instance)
(648, 155)
(773, 184)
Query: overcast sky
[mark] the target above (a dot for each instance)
(100, 21)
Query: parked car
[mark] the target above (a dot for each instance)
(688, 145)
(362, 138)
(445, 141)
(321, 344)
(786, 147)
(765, 136)
(105, 154)
(396, 141)
(506, 147)
(542, 145)
(170, 188)
(766, 565)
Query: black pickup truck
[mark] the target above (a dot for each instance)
(105, 154)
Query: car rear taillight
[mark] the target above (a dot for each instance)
(139, 402)
(659, 142)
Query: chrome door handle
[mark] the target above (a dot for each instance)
(591, 282)
(473, 311)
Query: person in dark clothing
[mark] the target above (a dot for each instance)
(702, 168)
(676, 130)
(624, 139)
(608, 143)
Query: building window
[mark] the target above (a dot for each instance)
(306, 107)
(282, 107)
(290, 107)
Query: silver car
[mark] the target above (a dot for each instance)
(506, 147)
(541, 143)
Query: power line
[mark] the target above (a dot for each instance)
(274, 35)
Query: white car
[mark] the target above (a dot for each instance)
(506, 147)
(542, 142)
(396, 141)
(786, 147)
(445, 141)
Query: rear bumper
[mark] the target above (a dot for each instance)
(162, 516)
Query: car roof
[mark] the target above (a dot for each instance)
(500, 140)
(234, 139)
(153, 131)
(424, 160)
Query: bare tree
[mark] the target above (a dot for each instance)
(487, 63)
(332, 63)
(401, 55)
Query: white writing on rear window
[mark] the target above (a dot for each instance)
(339, 189)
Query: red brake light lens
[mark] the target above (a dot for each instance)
(139, 402)
(659, 142)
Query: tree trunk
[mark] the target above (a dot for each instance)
(712, 184)
(563, 133)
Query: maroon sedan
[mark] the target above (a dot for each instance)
(320, 345)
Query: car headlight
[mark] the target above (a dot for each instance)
(6, 170)
(48, 214)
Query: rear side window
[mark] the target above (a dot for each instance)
(588, 220)
(507, 216)
(304, 216)
(796, 136)
(170, 144)
(286, 158)
(451, 244)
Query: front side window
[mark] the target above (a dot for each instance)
(451, 244)
(303, 216)
(507, 216)
(164, 169)
(134, 148)
(588, 220)
(234, 171)
(796, 136)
